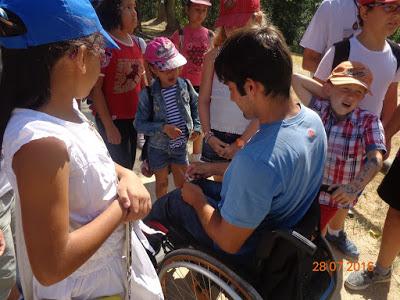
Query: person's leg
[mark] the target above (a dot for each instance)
(327, 213)
(338, 237)
(178, 171)
(172, 211)
(161, 181)
(133, 138)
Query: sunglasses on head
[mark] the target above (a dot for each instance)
(10, 24)
(387, 7)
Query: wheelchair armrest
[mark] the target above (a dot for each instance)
(294, 238)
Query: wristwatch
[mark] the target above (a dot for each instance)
(240, 142)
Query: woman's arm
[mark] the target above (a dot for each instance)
(42, 171)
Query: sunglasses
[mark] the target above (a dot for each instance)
(387, 7)
(10, 24)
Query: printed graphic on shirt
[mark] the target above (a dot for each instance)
(196, 53)
(127, 75)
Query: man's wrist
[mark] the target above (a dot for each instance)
(208, 135)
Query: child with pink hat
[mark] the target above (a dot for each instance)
(167, 114)
(224, 126)
(194, 41)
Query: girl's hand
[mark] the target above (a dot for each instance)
(230, 151)
(133, 196)
(345, 194)
(172, 131)
(194, 136)
(113, 134)
(217, 145)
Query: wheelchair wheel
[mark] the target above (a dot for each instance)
(191, 274)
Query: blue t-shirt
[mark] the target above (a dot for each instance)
(273, 181)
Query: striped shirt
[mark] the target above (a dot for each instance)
(174, 116)
(349, 141)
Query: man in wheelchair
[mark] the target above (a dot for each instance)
(272, 182)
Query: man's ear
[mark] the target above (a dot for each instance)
(81, 58)
(250, 86)
(363, 12)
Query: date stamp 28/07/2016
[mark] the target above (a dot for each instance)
(349, 266)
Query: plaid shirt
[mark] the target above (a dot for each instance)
(349, 141)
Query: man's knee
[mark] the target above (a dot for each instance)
(393, 214)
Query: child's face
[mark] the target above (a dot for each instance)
(345, 98)
(167, 78)
(384, 19)
(196, 13)
(128, 16)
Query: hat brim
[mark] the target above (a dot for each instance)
(234, 20)
(172, 63)
(349, 80)
(110, 43)
(207, 3)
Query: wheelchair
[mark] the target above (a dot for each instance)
(283, 267)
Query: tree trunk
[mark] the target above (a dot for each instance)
(162, 13)
(172, 22)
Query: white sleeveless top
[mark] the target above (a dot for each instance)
(225, 115)
(92, 188)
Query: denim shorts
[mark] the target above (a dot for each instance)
(209, 155)
(161, 158)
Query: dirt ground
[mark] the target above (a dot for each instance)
(365, 228)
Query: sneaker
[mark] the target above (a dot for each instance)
(360, 280)
(346, 246)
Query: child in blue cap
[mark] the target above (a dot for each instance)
(71, 199)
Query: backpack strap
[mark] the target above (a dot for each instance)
(180, 32)
(396, 51)
(342, 52)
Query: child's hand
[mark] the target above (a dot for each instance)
(345, 194)
(113, 134)
(194, 136)
(172, 131)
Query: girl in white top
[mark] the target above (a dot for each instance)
(71, 199)
(225, 128)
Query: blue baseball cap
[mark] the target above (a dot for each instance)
(51, 21)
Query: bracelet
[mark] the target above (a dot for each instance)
(207, 136)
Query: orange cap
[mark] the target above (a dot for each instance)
(352, 72)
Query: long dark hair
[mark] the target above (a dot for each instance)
(25, 78)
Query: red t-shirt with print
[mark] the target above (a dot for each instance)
(196, 43)
(123, 71)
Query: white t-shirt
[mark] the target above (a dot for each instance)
(332, 22)
(5, 186)
(382, 65)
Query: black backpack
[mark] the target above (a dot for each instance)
(342, 52)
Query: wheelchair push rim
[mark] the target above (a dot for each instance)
(192, 274)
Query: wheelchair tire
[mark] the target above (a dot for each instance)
(209, 278)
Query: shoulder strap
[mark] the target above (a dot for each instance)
(342, 52)
(180, 31)
(396, 51)
(151, 100)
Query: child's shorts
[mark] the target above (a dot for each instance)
(388, 189)
(327, 213)
(161, 158)
(209, 155)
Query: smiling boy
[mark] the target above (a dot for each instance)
(356, 142)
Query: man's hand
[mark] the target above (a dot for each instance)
(230, 151)
(194, 136)
(2, 243)
(133, 195)
(193, 195)
(172, 131)
(113, 134)
(344, 194)
(198, 170)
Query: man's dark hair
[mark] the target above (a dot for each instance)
(109, 13)
(259, 54)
